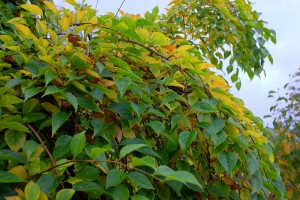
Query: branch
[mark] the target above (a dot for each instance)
(93, 161)
(44, 146)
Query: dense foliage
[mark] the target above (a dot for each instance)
(286, 124)
(99, 106)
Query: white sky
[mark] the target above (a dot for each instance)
(281, 15)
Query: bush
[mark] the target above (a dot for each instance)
(104, 107)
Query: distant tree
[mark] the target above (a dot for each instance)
(286, 124)
(108, 107)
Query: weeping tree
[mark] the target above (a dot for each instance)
(131, 107)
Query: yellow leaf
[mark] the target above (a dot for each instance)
(122, 12)
(159, 38)
(25, 72)
(24, 30)
(51, 6)
(64, 23)
(175, 84)
(71, 2)
(92, 73)
(32, 8)
(43, 196)
(206, 65)
(271, 157)
(184, 48)
(286, 147)
(13, 48)
(53, 36)
(170, 48)
(94, 20)
(19, 171)
(80, 14)
(41, 27)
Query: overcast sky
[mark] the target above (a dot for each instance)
(281, 15)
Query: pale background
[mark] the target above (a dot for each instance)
(281, 15)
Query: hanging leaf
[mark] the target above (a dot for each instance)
(14, 139)
(121, 192)
(88, 104)
(32, 191)
(32, 8)
(6, 177)
(58, 119)
(78, 143)
(130, 148)
(114, 178)
(157, 126)
(186, 138)
(140, 180)
(228, 161)
(122, 84)
(64, 194)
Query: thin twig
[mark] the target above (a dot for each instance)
(119, 9)
(45, 147)
(93, 161)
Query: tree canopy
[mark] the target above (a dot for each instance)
(129, 106)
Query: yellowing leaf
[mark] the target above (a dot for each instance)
(175, 84)
(51, 6)
(122, 12)
(33, 9)
(94, 20)
(286, 147)
(184, 48)
(159, 38)
(80, 14)
(170, 48)
(41, 27)
(71, 2)
(64, 23)
(92, 73)
(24, 30)
(206, 65)
(271, 157)
(19, 171)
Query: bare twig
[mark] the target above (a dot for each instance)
(119, 9)
(45, 147)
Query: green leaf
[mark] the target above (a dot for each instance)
(228, 161)
(32, 191)
(253, 165)
(87, 186)
(6, 177)
(219, 189)
(14, 139)
(62, 146)
(46, 183)
(121, 192)
(64, 194)
(138, 197)
(78, 143)
(157, 126)
(121, 63)
(88, 104)
(139, 108)
(123, 84)
(6, 154)
(216, 126)
(16, 126)
(9, 99)
(256, 181)
(204, 106)
(72, 100)
(80, 61)
(140, 180)
(88, 173)
(29, 106)
(123, 108)
(114, 177)
(219, 138)
(170, 97)
(58, 119)
(51, 90)
(234, 78)
(186, 138)
(144, 161)
(238, 85)
(32, 150)
(49, 76)
(279, 186)
(30, 92)
(34, 117)
(130, 148)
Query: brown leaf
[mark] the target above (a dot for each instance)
(119, 134)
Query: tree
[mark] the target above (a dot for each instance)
(118, 107)
(286, 124)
